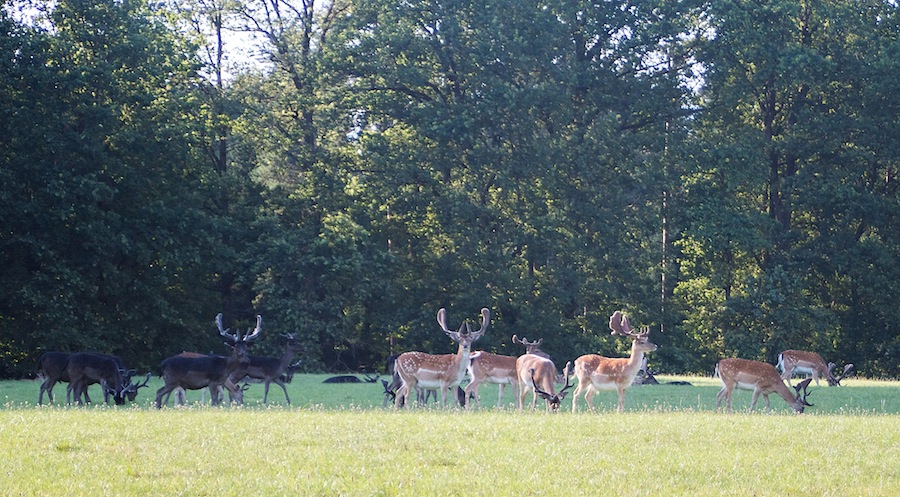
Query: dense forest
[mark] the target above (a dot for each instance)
(724, 172)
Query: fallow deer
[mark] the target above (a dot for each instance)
(87, 368)
(538, 374)
(497, 369)
(809, 363)
(418, 369)
(194, 373)
(762, 379)
(52, 367)
(595, 373)
(270, 369)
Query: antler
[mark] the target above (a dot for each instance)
(802, 387)
(524, 341)
(144, 384)
(485, 320)
(233, 338)
(848, 368)
(256, 331)
(442, 322)
(619, 325)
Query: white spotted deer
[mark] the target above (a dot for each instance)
(538, 374)
(595, 372)
(762, 379)
(809, 363)
(498, 370)
(444, 371)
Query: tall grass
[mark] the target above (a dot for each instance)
(336, 440)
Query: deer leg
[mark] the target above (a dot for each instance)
(48, 387)
(472, 388)
(720, 396)
(163, 391)
(280, 383)
(756, 393)
(621, 392)
(402, 396)
(786, 374)
(589, 398)
(499, 396)
(266, 393)
(520, 398)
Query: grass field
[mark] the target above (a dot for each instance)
(337, 440)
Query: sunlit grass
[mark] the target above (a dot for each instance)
(337, 440)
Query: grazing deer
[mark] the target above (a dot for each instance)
(181, 395)
(270, 369)
(496, 369)
(809, 363)
(595, 373)
(762, 378)
(194, 373)
(538, 374)
(87, 368)
(438, 371)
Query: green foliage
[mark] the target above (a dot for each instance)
(723, 172)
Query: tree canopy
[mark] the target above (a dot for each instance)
(723, 172)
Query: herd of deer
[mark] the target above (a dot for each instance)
(426, 374)
(535, 372)
(185, 371)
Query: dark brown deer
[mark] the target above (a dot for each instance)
(52, 366)
(194, 373)
(270, 369)
(87, 368)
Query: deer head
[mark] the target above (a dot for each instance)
(531, 347)
(238, 344)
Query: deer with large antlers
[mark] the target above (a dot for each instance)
(445, 371)
(809, 363)
(762, 378)
(270, 369)
(498, 370)
(538, 374)
(194, 373)
(595, 372)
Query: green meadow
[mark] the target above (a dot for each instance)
(336, 439)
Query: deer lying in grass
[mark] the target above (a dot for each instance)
(595, 373)
(762, 379)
